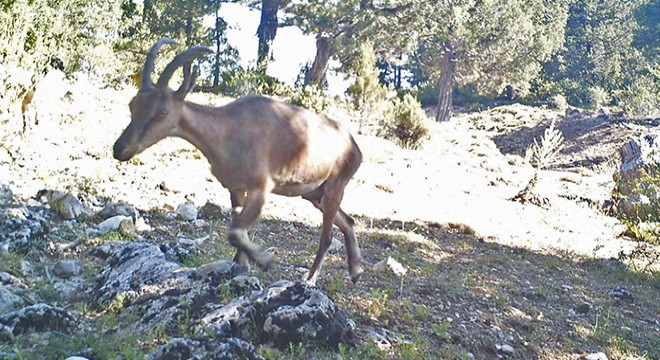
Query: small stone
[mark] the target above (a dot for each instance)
(621, 293)
(67, 268)
(69, 290)
(211, 211)
(111, 224)
(335, 246)
(70, 207)
(9, 301)
(76, 358)
(114, 209)
(127, 228)
(213, 273)
(595, 356)
(6, 336)
(505, 349)
(187, 211)
(583, 308)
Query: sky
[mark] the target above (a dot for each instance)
(291, 48)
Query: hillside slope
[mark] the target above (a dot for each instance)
(483, 271)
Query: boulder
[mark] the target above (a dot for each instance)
(229, 349)
(20, 225)
(187, 211)
(166, 294)
(121, 208)
(39, 318)
(67, 205)
(67, 268)
(636, 184)
(291, 312)
(639, 153)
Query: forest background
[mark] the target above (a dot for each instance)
(472, 53)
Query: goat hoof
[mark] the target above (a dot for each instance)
(356, 274)
(264, 259)
(239, 269)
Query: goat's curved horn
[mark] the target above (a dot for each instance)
(149, 62)
(180, 60)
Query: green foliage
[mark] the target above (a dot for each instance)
(410, 124)
(368, 96)
(558, 102)
(495, 44)
(641, 98)
(38, 35)
(597, 97)
(312, 98)
(11, 262)
(367, 90)
(608, 57)
(242, 82)
(638, 205)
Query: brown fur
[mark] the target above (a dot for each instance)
(255, 145)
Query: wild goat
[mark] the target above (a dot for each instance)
(255, 146)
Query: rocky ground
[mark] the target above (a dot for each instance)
(102, 259)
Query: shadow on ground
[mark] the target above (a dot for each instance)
(462, 295)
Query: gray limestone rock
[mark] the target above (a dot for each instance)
(67, 268)
(39, 318)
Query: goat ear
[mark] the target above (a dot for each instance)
(188, 81)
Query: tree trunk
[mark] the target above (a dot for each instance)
(216, 38)
(446, 84)
(316, 75)
(266, 33)
(188, 29)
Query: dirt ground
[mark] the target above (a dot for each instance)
(483, 271)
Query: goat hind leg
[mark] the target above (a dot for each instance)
(329, 205)
(347, 226)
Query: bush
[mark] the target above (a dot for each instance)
(242, 82)
(637, 203)
(427, 94)
(312, 98)
(597, 97)
(559, 102)
(641, 98)
(410, 125)
(574, 92)
(368, 95)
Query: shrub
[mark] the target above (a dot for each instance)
(641, 98)
(427, 94)
(597, 97)
(367, 94)
(559, 102)
(242, 82)
(638, 206)
(312, 98)
(410, 124)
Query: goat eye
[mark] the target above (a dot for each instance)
(161, 113)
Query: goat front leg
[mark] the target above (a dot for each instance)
(238, 233)
(237, 201)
